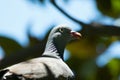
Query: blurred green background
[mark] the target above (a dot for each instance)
(25, 25)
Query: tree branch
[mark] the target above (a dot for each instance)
(92, 29)
(67, 15)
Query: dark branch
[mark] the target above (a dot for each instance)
(92, 29)
(96, 29)
(67, 15)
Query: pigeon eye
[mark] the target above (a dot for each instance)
(61, 30)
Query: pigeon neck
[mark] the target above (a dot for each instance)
(55, 49)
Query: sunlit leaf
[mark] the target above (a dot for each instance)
(114, 67)
(82, 48)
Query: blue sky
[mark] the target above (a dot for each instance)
(112, 52)
(15, 15)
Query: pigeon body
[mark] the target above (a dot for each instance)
(50, 66)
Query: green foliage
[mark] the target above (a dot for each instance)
(83, 52)
(9, 45)
(109, 7)
(114, 67)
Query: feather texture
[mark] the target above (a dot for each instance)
(50, 66)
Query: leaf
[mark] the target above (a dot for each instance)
(109, 7)
(9, 45)
(82, 48)
(114, 67)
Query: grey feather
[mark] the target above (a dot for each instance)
(50, 66)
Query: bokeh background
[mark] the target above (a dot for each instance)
(25, 25)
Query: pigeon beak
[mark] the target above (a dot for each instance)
(76, 35)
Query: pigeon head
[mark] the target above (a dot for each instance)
(62, 33)
(58, 38)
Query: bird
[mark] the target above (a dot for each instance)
(50, 65)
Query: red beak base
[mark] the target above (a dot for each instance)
(76, 34)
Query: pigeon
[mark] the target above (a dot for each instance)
(50, 65)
